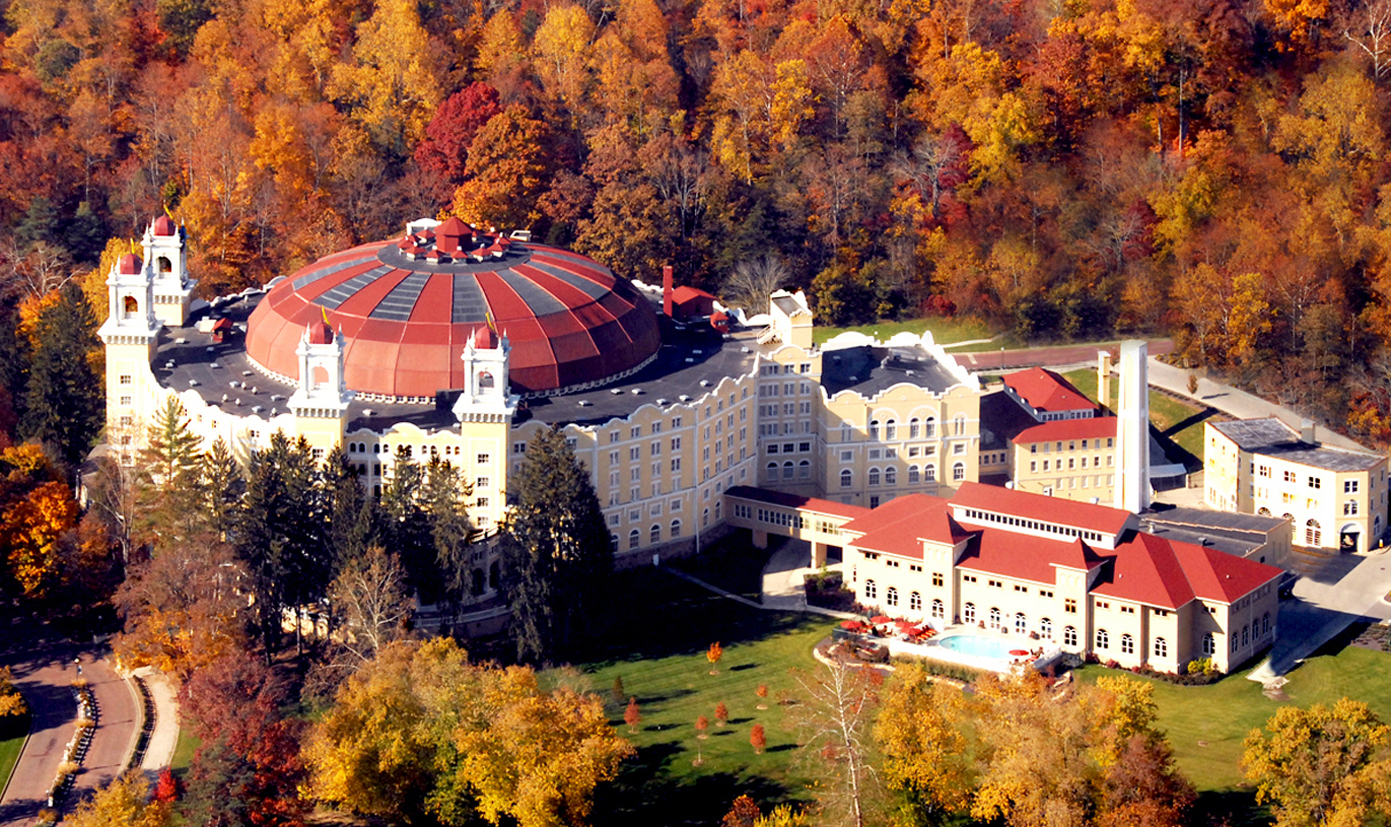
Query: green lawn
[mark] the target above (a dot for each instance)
(944, 331)
(184, 749)
(13, 730)
(732, 563)
(660, 655)
(1178, 423)
(1206, 724)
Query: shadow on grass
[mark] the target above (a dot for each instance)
(1234, 808)
(741, 667)
(1174, 451)
(1180, 427)
(653, 787)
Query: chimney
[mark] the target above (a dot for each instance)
(666, 290)
(1306, 431)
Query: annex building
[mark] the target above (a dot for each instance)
(1334, 498)
(457, 342)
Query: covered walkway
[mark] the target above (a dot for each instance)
(816, 521)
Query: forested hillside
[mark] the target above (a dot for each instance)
(1213, 169)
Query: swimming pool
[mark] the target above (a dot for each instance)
(979, 646)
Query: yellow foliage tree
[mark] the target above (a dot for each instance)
(30, 530)
(11, 702)
(392, 83)
(125, 802)
(507, 171)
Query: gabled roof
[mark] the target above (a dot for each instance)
(1094, 427)
(1220, 577)
(1047, 391)
(900, 525)
(685, 293)
(1146, 570)
(1039, 507)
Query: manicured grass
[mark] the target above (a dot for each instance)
(732, 563)
(13, 730)
(184, 749)
(1207, 724)
(944, 331)
(660, 655)
(1175, 420)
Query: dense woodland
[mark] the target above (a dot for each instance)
(1212, 169)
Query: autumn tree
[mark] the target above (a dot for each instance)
(713, 655)
(757, 739)
(925, 753)
(443, 152)
(125, 801)
(556, 553)
(508, 163)
(371, 608)
(11, 702)
(833, 719)
(1321, 765)
(632, 715)
(721, 714)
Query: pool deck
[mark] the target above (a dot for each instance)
(1051, 651)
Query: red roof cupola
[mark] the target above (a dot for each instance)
(453, 236)
(128, 264)
(320, 334)
(164, 225)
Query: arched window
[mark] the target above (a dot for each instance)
(914, 475)
(705, 517)
(891, 596)
(485, 380)
(915, 601)
(874, 476)
(968, 613)
(1209, 645)
(1127, 645)
(634, 538)
(804, 470)
(131, 306)
(938, 610)
(772, 472)
(930, 428)
(1245, 635)
(847, 479)
(1236, 641)
(1265, 623)
(656, 533)
(1069, 636)
(914, 428)
(675, 529)
(1021, 623)
(1045, 628)
(1312, 535)
(871, 591)
(1103, 640)
(1263, 511)
(890, 430)
(891, 476)
(929, 473)
(165, 266)
(959, 424)
(1161, 647)
(788, 470)
(958, 472)
(994, 617)
(873, 429)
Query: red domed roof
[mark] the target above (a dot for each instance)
(128, 264)
(320, 334)
(407, 308)
(164, 225)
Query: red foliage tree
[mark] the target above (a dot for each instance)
(167, 788)
(713, 654)
(721, 714)
(757, 739)
(702, 724)
(632, 715)
(743, 813)
(443, 154)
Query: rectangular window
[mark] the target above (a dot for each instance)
(676, 464)
(482, 502)
(937, 579)
(125, 379)
(484, 482)
(1070, 605)
(1350, 508)
(483, 459)
(125, 400)
(1315, 482)
(1350, 486)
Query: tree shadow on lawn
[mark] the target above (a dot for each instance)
(662, 615)
(741, 667)
(653, 790)
(1234, 808)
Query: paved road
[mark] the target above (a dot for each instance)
(994, 361)
(44, 675)
(1236, 403)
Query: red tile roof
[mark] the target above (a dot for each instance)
(1146, 570)
(128, 264)
(900, 525)
(1047, 391)
(164, 225)
(1024, 556)
(1222, 577)
(812, 504)
(1096, 427)
(1042, 508)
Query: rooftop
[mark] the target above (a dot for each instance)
(1047, 391)
(1095, 427)
(1272, 438)
(1001, 420)
(1041, 508)
(764, 495)
(868, 370)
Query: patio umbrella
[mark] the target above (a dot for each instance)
(852, 625)
(877, 619)
(1019, 653)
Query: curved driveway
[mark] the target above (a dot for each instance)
(44, 675)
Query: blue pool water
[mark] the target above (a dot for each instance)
(980, 646)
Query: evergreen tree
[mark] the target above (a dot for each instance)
(444, 497)
(170, 477)
(348, 512)
(556, 552)
(64, 405)
(403, 527)
(278, 535)
(223, 487)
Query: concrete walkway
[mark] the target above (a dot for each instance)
(1236, 403)
(159, 752)
(1348, 588)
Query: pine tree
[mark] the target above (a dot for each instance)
(223, 486)
(444, 496)
(348, 511)
(556, 552)
(403, 526)
(64, 406)
(170, 477)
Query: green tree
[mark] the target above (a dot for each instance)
(223, 486)
(170, 477)
(444, 496)
(1321, 765)
(64, 404)
(348, 511)
(556, 552)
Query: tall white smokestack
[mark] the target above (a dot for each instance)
(1133, 439)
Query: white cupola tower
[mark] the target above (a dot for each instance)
(131, 335)
(166, 255)
(486, 396)
(320, 404)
